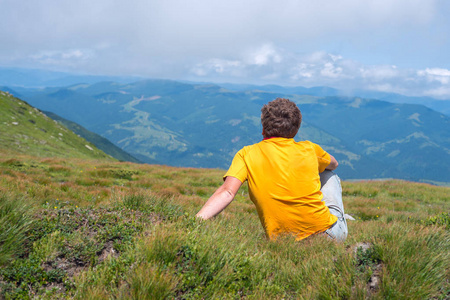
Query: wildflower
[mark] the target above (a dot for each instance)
(55, 207)
(377, 216)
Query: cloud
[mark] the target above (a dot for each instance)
(323, 69)
(383, 44)
(331, 71)
(442, 92)
(379, 72)
(435, 74)
(71, 57)
(217, 66)
(265, 55)
(176, 28)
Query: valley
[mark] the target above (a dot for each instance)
(204, 125)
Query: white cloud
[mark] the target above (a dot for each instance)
(177, 28)
(331, 71)
(265, 55)
(324, 69)
(436, 74)
(383, 44)
(442, 92)
(73, 54)
(379, 72)
(217, 66)
(67, 58)
(436, 71)
(335, 57)
(302, 70)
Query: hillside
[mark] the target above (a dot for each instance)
(194, 125)
(96, 229)
(409, 141)
(26, 130)
(95, 139)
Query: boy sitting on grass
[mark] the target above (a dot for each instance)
(291, 183)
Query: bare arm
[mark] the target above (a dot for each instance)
(333, 164)
(220, 199)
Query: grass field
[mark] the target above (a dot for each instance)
(96, 229)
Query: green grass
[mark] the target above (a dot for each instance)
(15, 222)
(96, 229)
(26, 130)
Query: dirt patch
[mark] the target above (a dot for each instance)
(71, 268)
(108, 251)
(375, 279)
(91, 237)
(368, 261)
(364, 246)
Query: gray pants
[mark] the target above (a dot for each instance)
(332, 196)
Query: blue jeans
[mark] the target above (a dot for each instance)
(332, 196)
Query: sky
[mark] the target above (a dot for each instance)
(400, 46)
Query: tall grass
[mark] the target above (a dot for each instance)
(15, 221)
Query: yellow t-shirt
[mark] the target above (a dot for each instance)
(284, 184)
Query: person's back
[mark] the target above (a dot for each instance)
(283, 178)
(284, 184)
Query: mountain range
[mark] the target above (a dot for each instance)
(17, 78)
(204, 125)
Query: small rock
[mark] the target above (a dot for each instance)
(363, 246)
(375, 279)
(348, 217)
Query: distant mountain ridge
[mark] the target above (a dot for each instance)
(18, 78)
(36, 78)
(442, 106)
(204, 125)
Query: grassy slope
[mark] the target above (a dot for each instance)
(90, 229)
(25, 129)
(100, 142)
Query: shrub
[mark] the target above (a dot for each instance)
(441, 220)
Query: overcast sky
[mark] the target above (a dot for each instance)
(387, 45)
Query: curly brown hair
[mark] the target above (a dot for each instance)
(281, 118)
